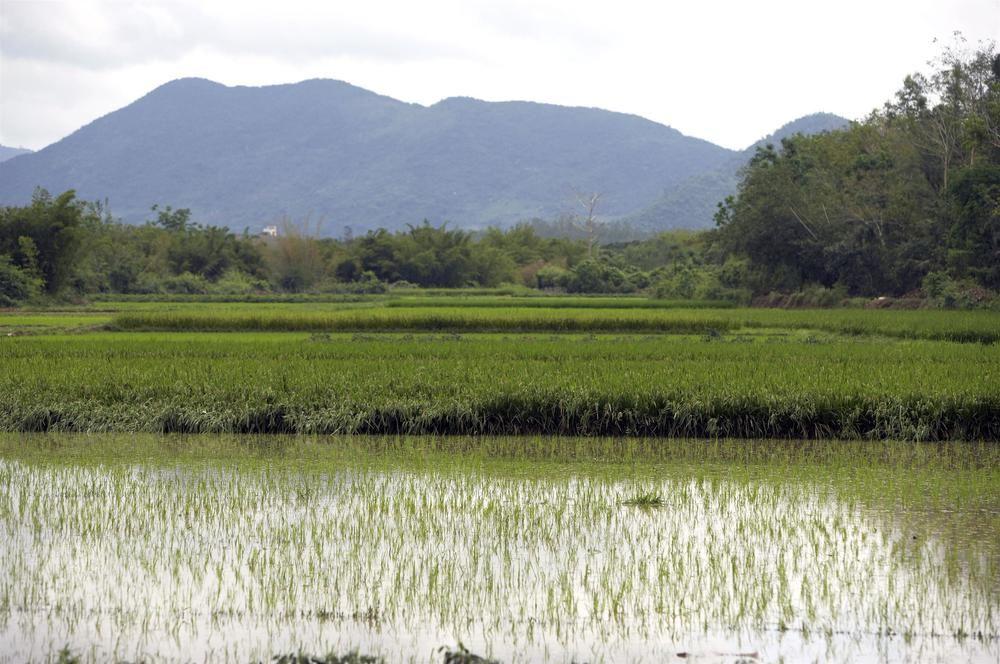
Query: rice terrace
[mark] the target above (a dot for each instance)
(293, 371)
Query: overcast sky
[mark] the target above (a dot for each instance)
(729, 71)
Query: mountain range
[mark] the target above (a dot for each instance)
(336, 155)
(692, 203)
(9, 152)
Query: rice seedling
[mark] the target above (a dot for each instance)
(166, 548)
(352, 657)
(644, 500)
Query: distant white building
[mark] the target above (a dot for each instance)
(269, 231)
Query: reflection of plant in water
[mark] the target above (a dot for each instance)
(67, 656)
(522, 545)
(462, 655)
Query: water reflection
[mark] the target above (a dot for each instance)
(188, 561)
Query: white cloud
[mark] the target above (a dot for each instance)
(727, 71)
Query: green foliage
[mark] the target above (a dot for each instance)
(690, 279)
(942, 290)
(174, 255)
(645, 500)
(597, 276)
(16, 284)
(975, 236)
(913, 189)
(236, 282)
(43, 237)
(552, 277)
(435, 256)
(169, 255)
(186, 283)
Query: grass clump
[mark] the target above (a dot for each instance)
(645, 500)
(67, 656)
(353, 657)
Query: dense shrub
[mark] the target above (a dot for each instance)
(16, 284)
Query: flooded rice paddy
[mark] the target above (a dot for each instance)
(236, 549)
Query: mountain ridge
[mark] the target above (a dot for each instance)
(692, 203)
(8, 152)
(339, 154)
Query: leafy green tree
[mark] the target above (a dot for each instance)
(43, 237)
(975, 236)
(16, 284)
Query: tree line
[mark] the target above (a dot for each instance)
(59, 246)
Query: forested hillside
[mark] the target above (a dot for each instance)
(346, 157)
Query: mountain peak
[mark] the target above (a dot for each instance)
(189, 82)
(814, 123)
(322, 148)
(185, 85)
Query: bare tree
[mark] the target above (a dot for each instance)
(587, 223)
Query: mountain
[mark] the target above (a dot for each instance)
(339, 155)
(9, 153)
(691, 203)
(815, 123)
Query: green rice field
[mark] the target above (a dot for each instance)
(368, 367)
(966, 326)
(516, 479)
